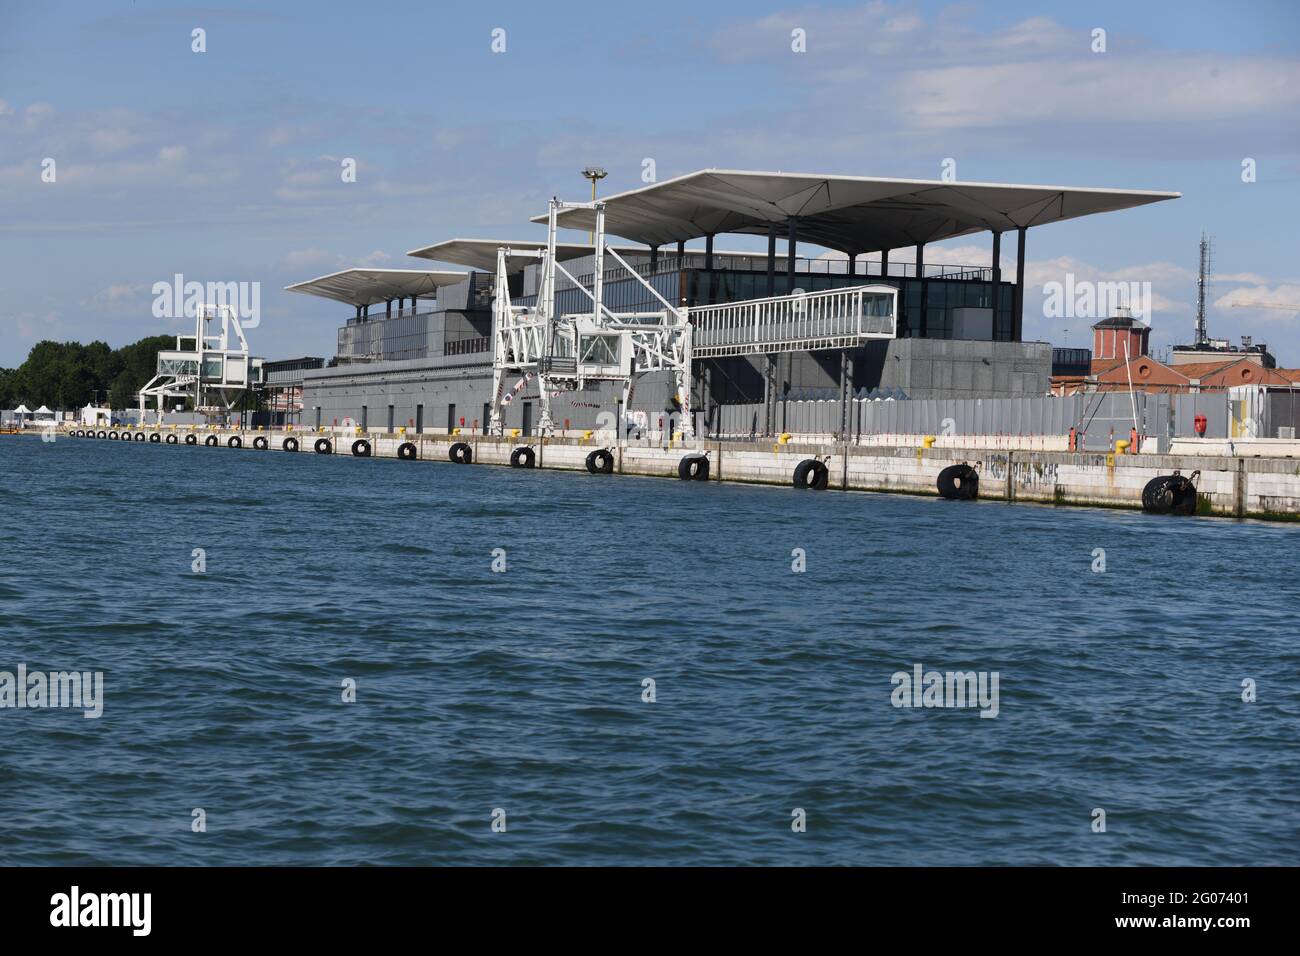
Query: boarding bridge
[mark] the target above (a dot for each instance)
(212, 366)
(565, 351)
(835, 319)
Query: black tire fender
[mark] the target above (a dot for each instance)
(289, 444)
(155, 438)
(212, 441)
(600, 462)
(260, 443)
(959, 483)
(407, 451)
(813, 474)
(693, 468)
(461, 453)
(139, 436)
(171, 439)
(234, 441)
(523, 457)
(191, 439)
(323, 446)
(361, 448)
(1169, 494)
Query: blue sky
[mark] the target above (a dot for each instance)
(224, 165)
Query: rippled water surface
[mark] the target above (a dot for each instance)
(523, 690)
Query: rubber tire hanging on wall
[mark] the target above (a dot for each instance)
(155, 437)
(191, 439)
(260, 443)
(289, 444)
(234, 441)
(959, 483)
(407, 451)
(112, 436)
(1169, 494)
(693, 468)
(361, 448)
(171, 439)
(600, 462)
(461, 453)
(813, 474)
(139, 436)
(323, 446)
(523, 457)
(103, 434)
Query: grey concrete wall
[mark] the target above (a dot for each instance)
(922, 368)
(343, 392)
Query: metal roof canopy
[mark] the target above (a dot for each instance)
(363, 287)
(851, 214)
(482, 253)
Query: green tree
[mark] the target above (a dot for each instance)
(66, 375)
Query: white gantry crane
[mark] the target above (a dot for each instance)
(564, 352)
(212, 366)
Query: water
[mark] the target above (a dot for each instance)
(523, 690)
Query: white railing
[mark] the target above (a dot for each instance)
(837, 318)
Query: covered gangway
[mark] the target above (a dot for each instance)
(854, 215)
(362, 288)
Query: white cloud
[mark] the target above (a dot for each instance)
(1254, 301)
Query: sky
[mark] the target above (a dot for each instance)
(225, 165)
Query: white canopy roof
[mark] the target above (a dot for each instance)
(853, 214)
(368, 286)
(43, 410)
(482, 253)
(22, 410)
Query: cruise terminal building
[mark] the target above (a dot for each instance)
(416, 347)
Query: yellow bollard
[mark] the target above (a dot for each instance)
(514, 433)
(1121, 446)
(401, 429)
(455, 431)
(586, 435)
(927, 441)
(785, 438)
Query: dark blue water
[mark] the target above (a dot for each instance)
(523, 690)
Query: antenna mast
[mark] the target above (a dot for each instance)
(1203, 278)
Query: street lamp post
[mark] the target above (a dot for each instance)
(595, 174)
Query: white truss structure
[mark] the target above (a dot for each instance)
(564, 352)
(211, 367)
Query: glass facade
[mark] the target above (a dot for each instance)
(405, 337)
(700, 287)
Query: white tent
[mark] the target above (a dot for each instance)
(22, 410)
(43, 410)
